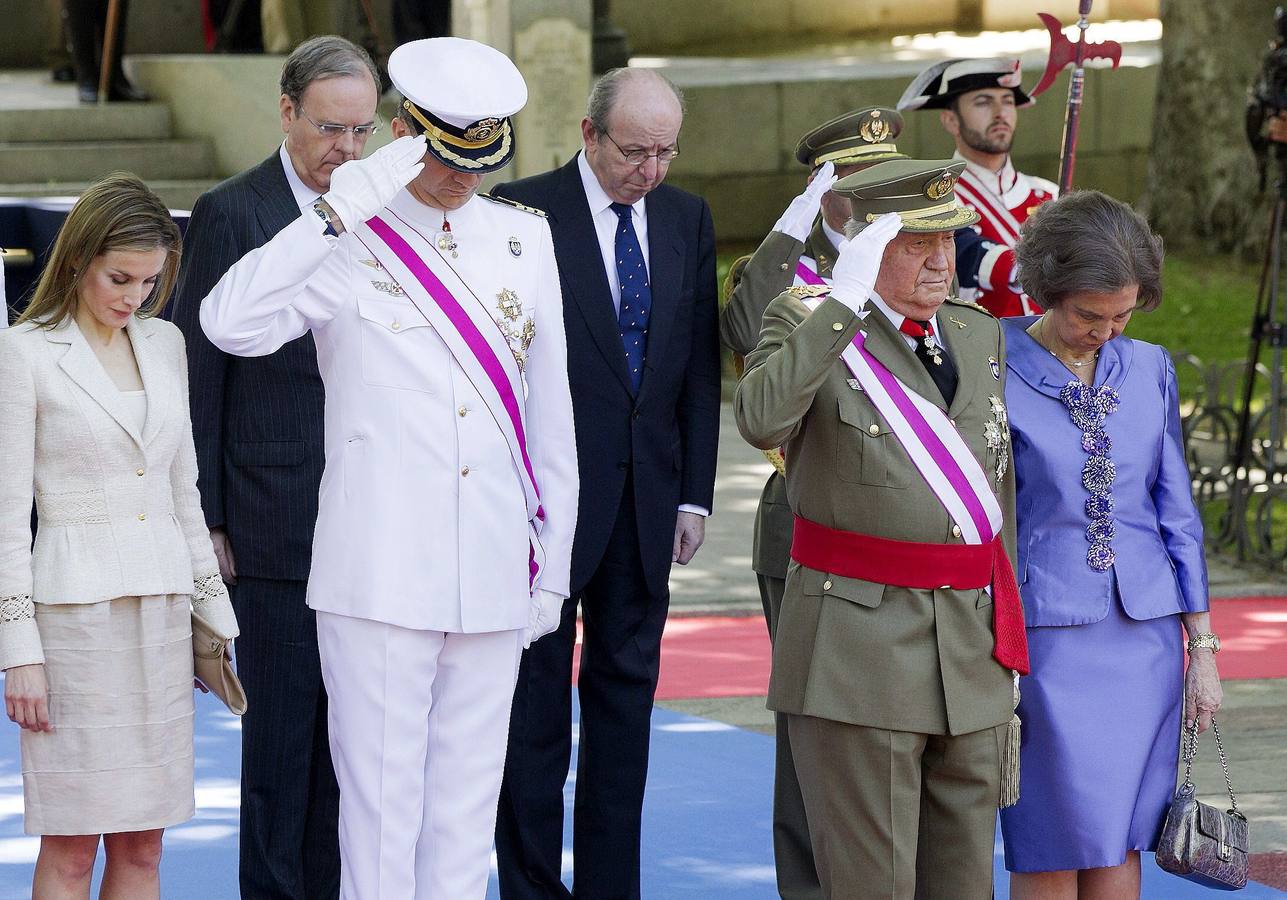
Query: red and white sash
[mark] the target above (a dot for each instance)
(988, 204)
(936, 448)
(471, 335)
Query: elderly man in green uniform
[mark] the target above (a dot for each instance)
(800, 250)
(901, 633)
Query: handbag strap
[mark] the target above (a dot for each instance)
(1191, 753)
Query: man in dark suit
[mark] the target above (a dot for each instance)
(637, 265)
(258, 428)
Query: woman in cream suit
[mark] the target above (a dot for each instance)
(95, 633)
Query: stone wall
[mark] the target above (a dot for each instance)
(719, 27)
(738, 140)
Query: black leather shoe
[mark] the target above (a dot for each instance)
(121, 90)
(64, 74)
(88, 93)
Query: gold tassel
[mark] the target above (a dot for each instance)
(1010, 756)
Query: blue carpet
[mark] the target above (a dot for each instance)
(707, 819)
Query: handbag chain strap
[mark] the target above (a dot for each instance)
(1191, 753)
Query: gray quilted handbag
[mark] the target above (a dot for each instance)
(1199, 842)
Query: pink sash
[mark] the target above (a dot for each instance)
(936, 448)
(471, 335)
(806, 272)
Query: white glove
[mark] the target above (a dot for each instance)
(800, 213)
(855, 271)
(545, 616)
(362, 187)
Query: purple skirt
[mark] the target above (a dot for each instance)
(1101, 739)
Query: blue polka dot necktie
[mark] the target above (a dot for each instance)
(636, 295)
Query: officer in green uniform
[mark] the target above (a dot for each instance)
(897, 705)
(800, 249)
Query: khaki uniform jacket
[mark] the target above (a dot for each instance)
(850, 650)
(755, 281)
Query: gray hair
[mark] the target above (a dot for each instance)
(607, 88)
(323, 57)
(1087, 242)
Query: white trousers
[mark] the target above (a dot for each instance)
(419, 722)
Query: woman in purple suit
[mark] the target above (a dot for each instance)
(1109, 558)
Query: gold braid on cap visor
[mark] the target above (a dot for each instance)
(439, 139)
(915, 214)
(858, 153)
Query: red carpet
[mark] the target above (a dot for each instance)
(726, 656)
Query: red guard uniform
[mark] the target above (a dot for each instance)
(1003, 200)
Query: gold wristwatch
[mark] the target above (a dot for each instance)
(1206, 641)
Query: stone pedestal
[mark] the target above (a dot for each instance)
(549, 41)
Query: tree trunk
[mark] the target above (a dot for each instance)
(1203, 190)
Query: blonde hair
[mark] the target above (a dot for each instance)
(118, 213)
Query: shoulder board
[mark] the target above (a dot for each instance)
(514, 203)
(957, 301)
(809, 290)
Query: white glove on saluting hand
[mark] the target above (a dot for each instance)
(546, 614)
(855, 271)
(800, 213)
(362, 187)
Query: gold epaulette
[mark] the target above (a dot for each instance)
(514, 203)
(808, 290)
(775, 457)
(957, 301)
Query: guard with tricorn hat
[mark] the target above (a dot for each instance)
(449, 498)
(901, 634)
(978, 102)
(800, 250)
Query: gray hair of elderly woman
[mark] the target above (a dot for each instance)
(323, 57)
(1087, 242)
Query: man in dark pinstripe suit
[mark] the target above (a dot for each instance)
(258, 429)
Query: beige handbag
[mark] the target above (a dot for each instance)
(212, 665)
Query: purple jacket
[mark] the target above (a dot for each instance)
(1160, 569)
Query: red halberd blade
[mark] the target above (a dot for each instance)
(1064, 51)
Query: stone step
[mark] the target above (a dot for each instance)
(88, 160)
(176, 193)
(112, 122)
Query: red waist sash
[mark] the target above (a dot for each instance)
(911, 564)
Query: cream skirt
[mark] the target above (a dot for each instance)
(120, 701)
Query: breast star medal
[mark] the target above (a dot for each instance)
(518, 336)
(996, 432)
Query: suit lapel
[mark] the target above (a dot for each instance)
(276, 207)
(969, 349)
(151, 371)
(587, 282)
(819, 248)
(888, 346)
(665, 278)
(84, 368)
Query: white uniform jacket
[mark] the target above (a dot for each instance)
(422, 519)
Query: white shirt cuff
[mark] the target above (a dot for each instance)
(699, 510)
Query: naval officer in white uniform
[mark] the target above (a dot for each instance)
(449, 497)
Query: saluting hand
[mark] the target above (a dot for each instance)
(799, 215)
(855, 271)
(26, 697)
(362, 187)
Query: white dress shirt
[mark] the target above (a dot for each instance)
(605, 228)
(837, 238)
(305, 196)
(896, 319)
(4, 304)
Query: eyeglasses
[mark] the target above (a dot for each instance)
(334, 132)
(637, 156)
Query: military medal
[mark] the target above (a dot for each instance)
(515, 248)
(446, 241)
(995, 366)
(932, 348)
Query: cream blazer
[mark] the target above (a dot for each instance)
(119, 513)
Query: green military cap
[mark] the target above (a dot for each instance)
(921, 191)
(861, 136)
